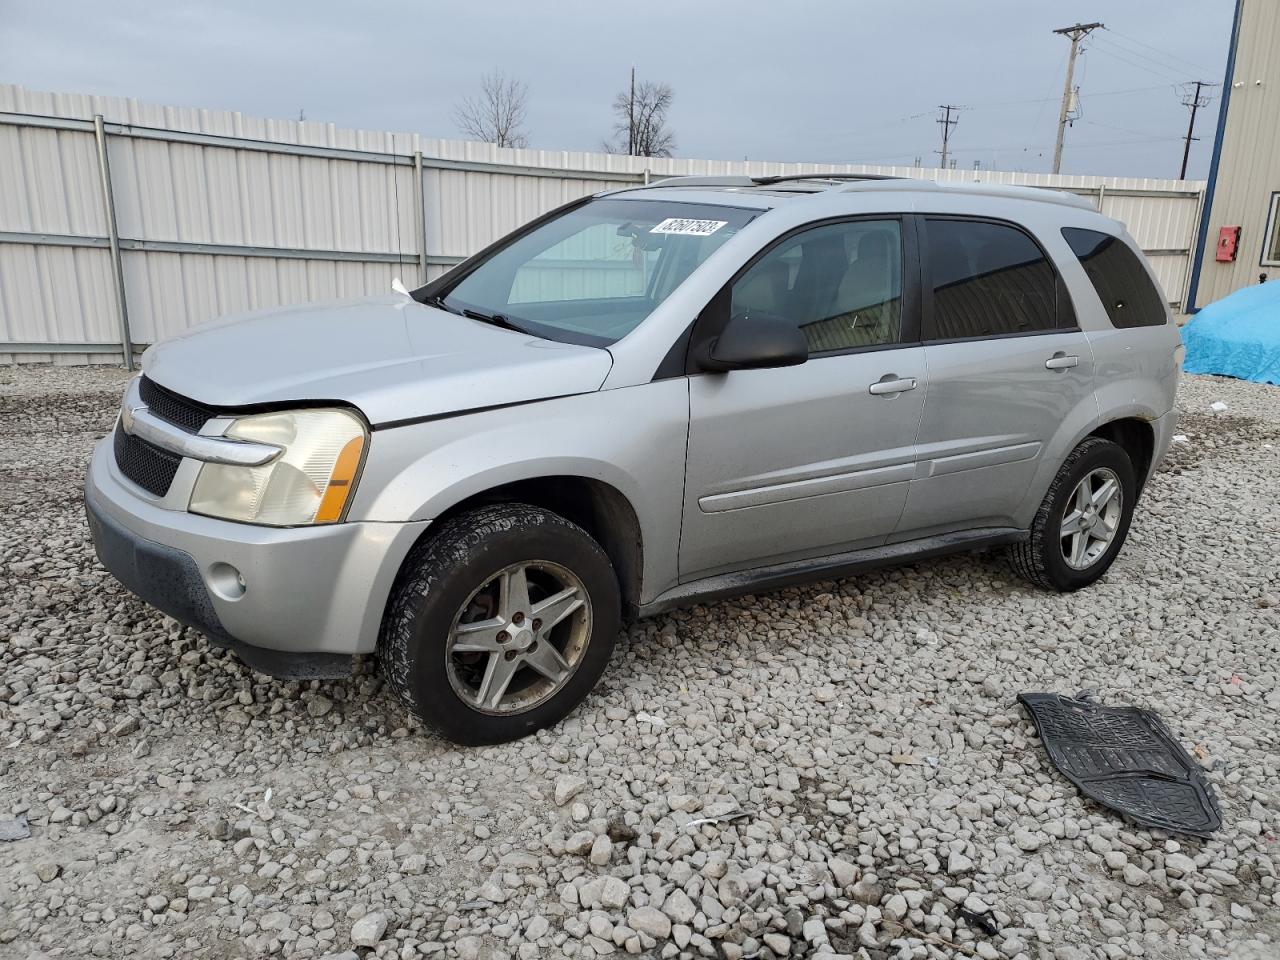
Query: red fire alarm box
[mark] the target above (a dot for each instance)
(1228, 241)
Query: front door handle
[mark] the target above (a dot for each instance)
(1060, 361)
(890, 384)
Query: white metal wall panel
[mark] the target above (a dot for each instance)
(50, 182)
(205, 194)
(56, 294)
(247, 197)
(170, 293)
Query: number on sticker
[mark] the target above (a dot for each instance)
(692, 228)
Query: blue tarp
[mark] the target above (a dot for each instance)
(1238, 336)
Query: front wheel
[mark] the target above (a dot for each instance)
(1083, 520)
(500, 623)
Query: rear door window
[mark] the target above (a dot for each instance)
(989, 280)
(1123, 285)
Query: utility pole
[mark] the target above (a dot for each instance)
(946, 123)
(1076, 33)
(1195, 101)
(631, 117)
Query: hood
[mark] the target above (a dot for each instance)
(392, 357)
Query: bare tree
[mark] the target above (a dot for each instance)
(641, 128)
(497, 115)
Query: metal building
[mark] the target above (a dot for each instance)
(1239, 238)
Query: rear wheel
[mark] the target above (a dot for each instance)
(1083, 521)
(500, 624)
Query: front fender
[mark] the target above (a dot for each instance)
(632, 439)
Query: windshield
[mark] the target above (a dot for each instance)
(593, 274)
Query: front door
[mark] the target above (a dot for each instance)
(814, 459)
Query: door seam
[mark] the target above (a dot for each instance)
(915, 443)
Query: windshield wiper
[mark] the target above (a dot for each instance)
(497, 319)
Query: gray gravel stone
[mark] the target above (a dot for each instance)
(650, 921)
(601, 851)
(368, 930)
(679, 907)
(779, 944)
(842, 871)
(568, 787)
(614, 893)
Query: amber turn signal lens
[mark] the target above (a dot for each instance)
(340, 482)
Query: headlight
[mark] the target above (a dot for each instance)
(309, 482)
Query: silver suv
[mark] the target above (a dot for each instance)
(643, 399)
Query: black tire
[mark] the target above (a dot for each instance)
(1040, 559)
(439, 576)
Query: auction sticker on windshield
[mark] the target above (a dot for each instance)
(692, 228)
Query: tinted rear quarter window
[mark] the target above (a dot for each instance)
(989, 280)
(1122, 283)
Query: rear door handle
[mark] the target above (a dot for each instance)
(1060, 361)
(889, 385)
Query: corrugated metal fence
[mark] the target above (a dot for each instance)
(212, 212)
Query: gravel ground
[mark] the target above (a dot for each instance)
(868, 727)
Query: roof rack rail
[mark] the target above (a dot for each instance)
(695, 180)
(1006, 191)
(787, 177)
(732, 180)
(874, 182)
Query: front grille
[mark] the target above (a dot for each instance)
(148, 466)
(166, 405)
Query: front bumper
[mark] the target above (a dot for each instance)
(313, 596)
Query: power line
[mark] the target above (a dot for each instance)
(1165, 53)
(1074, 146)
(1125, 56)
(946, 123)
(864, 131)
(1156, 62)
(1016, 148)
(1054, 98)
(1147, 135)
(868, 133)
(1077, 33)
(1057, 70)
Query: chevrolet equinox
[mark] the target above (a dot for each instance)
(643, 399)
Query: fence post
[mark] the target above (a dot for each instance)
(420, 215)
(113, 234)
(1102, 195)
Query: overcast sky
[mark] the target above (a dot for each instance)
(823, 80)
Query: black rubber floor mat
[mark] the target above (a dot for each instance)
(1125, 758)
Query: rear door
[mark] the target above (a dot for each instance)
(1006, 363)
(814, 459)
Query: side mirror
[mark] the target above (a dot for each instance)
(751, 342)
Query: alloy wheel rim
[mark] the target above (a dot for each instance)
(1092, 518)
(519, 637)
